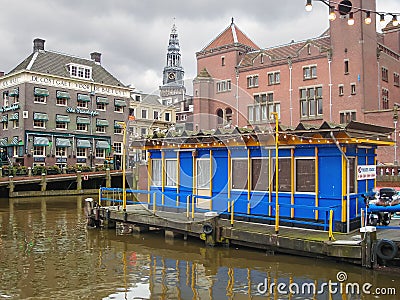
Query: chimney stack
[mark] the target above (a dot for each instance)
(96, 56)
(38, 44)
(1, 73)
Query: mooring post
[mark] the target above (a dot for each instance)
(368, 237)
(11, 185)
(43, 183)
(78, 180)
(108, 178)
(1, 172)
(29, 171)
(64, 170)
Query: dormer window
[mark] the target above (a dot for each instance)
(80, 71)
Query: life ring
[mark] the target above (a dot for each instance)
(207, 228)
(386, 249)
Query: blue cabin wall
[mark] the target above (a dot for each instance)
(262, 203)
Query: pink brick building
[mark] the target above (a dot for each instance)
(346, 73)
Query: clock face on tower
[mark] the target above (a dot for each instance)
(171, 76)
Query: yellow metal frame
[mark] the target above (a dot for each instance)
(292, 182)
(344, 186)
(211, 181)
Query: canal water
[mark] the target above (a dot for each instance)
(46, 252)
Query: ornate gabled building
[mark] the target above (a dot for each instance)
(347, 73)
(173, 91)
(59, 109)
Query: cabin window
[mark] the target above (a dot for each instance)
(305, 175)
(284, 180)
(203, 173)
(259, 174)
(352, 171)
(156, 173)
(239, 173)
(170, 166)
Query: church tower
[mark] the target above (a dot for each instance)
(173, 90)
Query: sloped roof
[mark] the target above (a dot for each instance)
(151, 99)
(231, 35)
(54, 63)
(288, 50)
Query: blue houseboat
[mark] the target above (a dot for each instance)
(301, 177)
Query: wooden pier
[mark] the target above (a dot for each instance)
(355, 247)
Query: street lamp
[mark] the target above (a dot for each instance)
(91, 157)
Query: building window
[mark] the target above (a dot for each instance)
(82, 104)
(119, 109)
(101, 106)
(14, 95)
(117, 148)
(346, 67)
(100, 129)
(347, 116)
(5, 122)
(274, 78)
(5, 99)
(117, 127)
(80, 71)
(222, 61)
(203, 173)
(259, 174)
(311, 102)
(263, 108)
(309, 72)
(61, 151)
(284, 179)
(39, 120)
(81, 152)
(352, 174)
(396, 79)
(143, 131)
(385, 99)
(305, 175)
(385, 74)
(239, 173)
(144, 113)
(171, 172)
(16, 124)
(40, 95)
(82, 127)
(39, 151)
(62, 98)
(341, 90)
(156, 172)
(262, 58)
(156, 114)
(167, 116)
(62, 121)
(353, 88)
(252, 81)
(224, 86)
(100, 153)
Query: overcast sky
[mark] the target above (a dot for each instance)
(132, 35)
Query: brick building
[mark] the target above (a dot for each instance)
(59, 109)
(347, 73)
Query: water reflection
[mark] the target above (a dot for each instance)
(46, 252)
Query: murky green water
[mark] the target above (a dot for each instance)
(46, 252)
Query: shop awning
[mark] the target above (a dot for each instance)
(4, 119)
(40, 141)
(60, 142)
(14, 116)
(3, 142)
(83, 144)
(102, 123)
(117, 124)
(14, 92)
(63, 95)
(102, 145)
(14, 141)
(80, 120)
(63, 119)
(41, 92)
(84, 98)
(118, 102)
(103, 100)
(40, 117)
